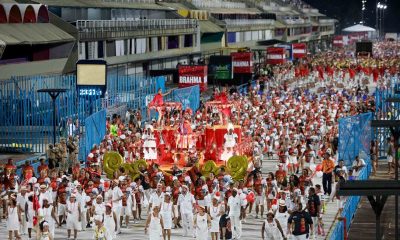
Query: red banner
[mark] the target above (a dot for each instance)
(276, 55)
(193, 75)
(338, 41)
(242, 62)
(299, 50)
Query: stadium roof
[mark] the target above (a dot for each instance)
(33, 33)
(102, 4)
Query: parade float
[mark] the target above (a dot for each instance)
(178, 149)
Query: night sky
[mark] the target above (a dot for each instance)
(349, 11)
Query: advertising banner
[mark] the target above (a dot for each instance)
(299, 50)
(338, 41)
(276, 55)
(193, 75)
(220, 68)
(242, 62)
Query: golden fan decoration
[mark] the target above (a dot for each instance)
(111, 162)
(137, 165)
(237, 167)
(209, 167)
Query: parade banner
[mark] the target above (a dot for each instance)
(276, 55)
(242, 62)
(338, 41)
(193, 75)
(299, 50)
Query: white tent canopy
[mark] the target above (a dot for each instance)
(359, 28)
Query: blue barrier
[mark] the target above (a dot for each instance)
(95, 130)
(386, 110)
(26, 119)
(355, 134)
(349, 208)
(189, 97)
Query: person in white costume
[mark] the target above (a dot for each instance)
(155, 223)
(168, 215)
(13, 218)
(22, 198)
(230, 140)
(202, 222)
(186, 204)
(282, 215)
(110, 221)
(216, 211)
(47, 213)
(73, 216)
(235, 210)
(271, 228)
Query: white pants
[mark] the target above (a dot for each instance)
(83, 219)
(315, 226)
(299, 237)
(187, 223)
(236, 226)
(23, 227)
(117, 211)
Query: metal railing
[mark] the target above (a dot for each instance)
(129, 1)
(217, 4)
(135, 25)
(244, 22)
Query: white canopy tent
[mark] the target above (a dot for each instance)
(359, 28)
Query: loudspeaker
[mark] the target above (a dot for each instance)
(364, 47)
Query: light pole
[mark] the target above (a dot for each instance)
(380, 16)
(363, 10)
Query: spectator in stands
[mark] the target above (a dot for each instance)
(338, 168)
(390, 154)
(358, 164)
(71, 128)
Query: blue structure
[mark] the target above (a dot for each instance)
(95, 130)
(355, 135)
(386, 110)
(26, 122)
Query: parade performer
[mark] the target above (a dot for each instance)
(186, 204)
(155, 223)
(157, 102)
(230, 141)
(202, 222)
(168, 215)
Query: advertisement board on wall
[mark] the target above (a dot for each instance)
(220, 68)
(190, 75)
(242, 62)
(276, 55)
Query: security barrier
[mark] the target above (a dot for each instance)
(349, 209)
(26, 119)
(355, 135)
(95, 130)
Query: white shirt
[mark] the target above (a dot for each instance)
(116, 194)
(21, 200)
(48, 195)
(186, 202)
(71, 129)
(360, 163)
(99, 209)
(156, 200)
(234, 204)
(230, 139)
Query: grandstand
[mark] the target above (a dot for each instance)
(138, 36)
